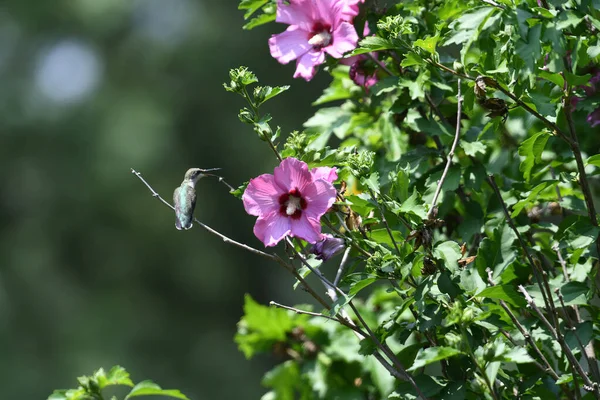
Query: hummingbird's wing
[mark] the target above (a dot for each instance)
(184, 198)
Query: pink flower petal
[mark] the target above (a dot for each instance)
(305, 67)
(306, 228)
(298, 12)
(344, 40)
(289, 45)
(327, 173)
(320, 196)
(262, 195)
(291, 174)
(271, 228)
(348, 9)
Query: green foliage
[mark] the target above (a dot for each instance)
(451, 255)
(91, 387)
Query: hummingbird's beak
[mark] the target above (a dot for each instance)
(210, 169)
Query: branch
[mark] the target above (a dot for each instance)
(333, 291)
(547, 367)
(557, 335)
(385, 223)
(492, 182)
(583, 180)
(271, 257)
(431, 213)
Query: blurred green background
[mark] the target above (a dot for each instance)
(92, 270)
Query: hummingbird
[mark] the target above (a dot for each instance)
(184, 197)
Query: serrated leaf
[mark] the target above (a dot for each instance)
(116, 376)
(58, 395)
(428, 44)
(274, 91)
(372, 44)
(532, 149)
(411, 59)
(532, 197)
(148, 388)
(413, 205)
(496, 252)
(433, 354)
(262, 19)
(472, 148)
(448, 251)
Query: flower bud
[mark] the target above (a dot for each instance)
(327, 247)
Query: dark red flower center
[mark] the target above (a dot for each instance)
(291, 204)
(320, 36)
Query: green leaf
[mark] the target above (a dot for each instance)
(414, 205)
(472, 148)
(450, 253)
(411, 59)
(593, 51)
(116, 376)
(577, 80)
(283, 379)
(372, 43)
(147, 388)
(428, 44)
(504, 292)
(575, 293)
(360, 285)
(391, 136)
(466, 26)
(260, 20)
(577, 231)
(496, 252)
(433, 354)
(518, 355)
(382, 236)
(270, 92)
(593, 160)
(532, 149)
(555, 78)
(261, 326)
(532, 197)
(58, 395)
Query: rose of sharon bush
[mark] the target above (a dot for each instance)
(290, 202)
(316, 27)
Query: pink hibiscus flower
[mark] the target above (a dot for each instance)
(290, 202)
(316, 27)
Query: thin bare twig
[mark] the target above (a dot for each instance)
(547, 367)
(252, 250)
(557, 335)
(380, 64)
(342, 267)
(333, 292)
(492, 182)
(385, 223)
(299, 311)
(438, 190)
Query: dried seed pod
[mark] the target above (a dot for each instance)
(429, 267)
(496, 107)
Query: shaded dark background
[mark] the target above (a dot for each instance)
(92, 270)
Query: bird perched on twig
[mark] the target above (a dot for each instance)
(184, 197)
